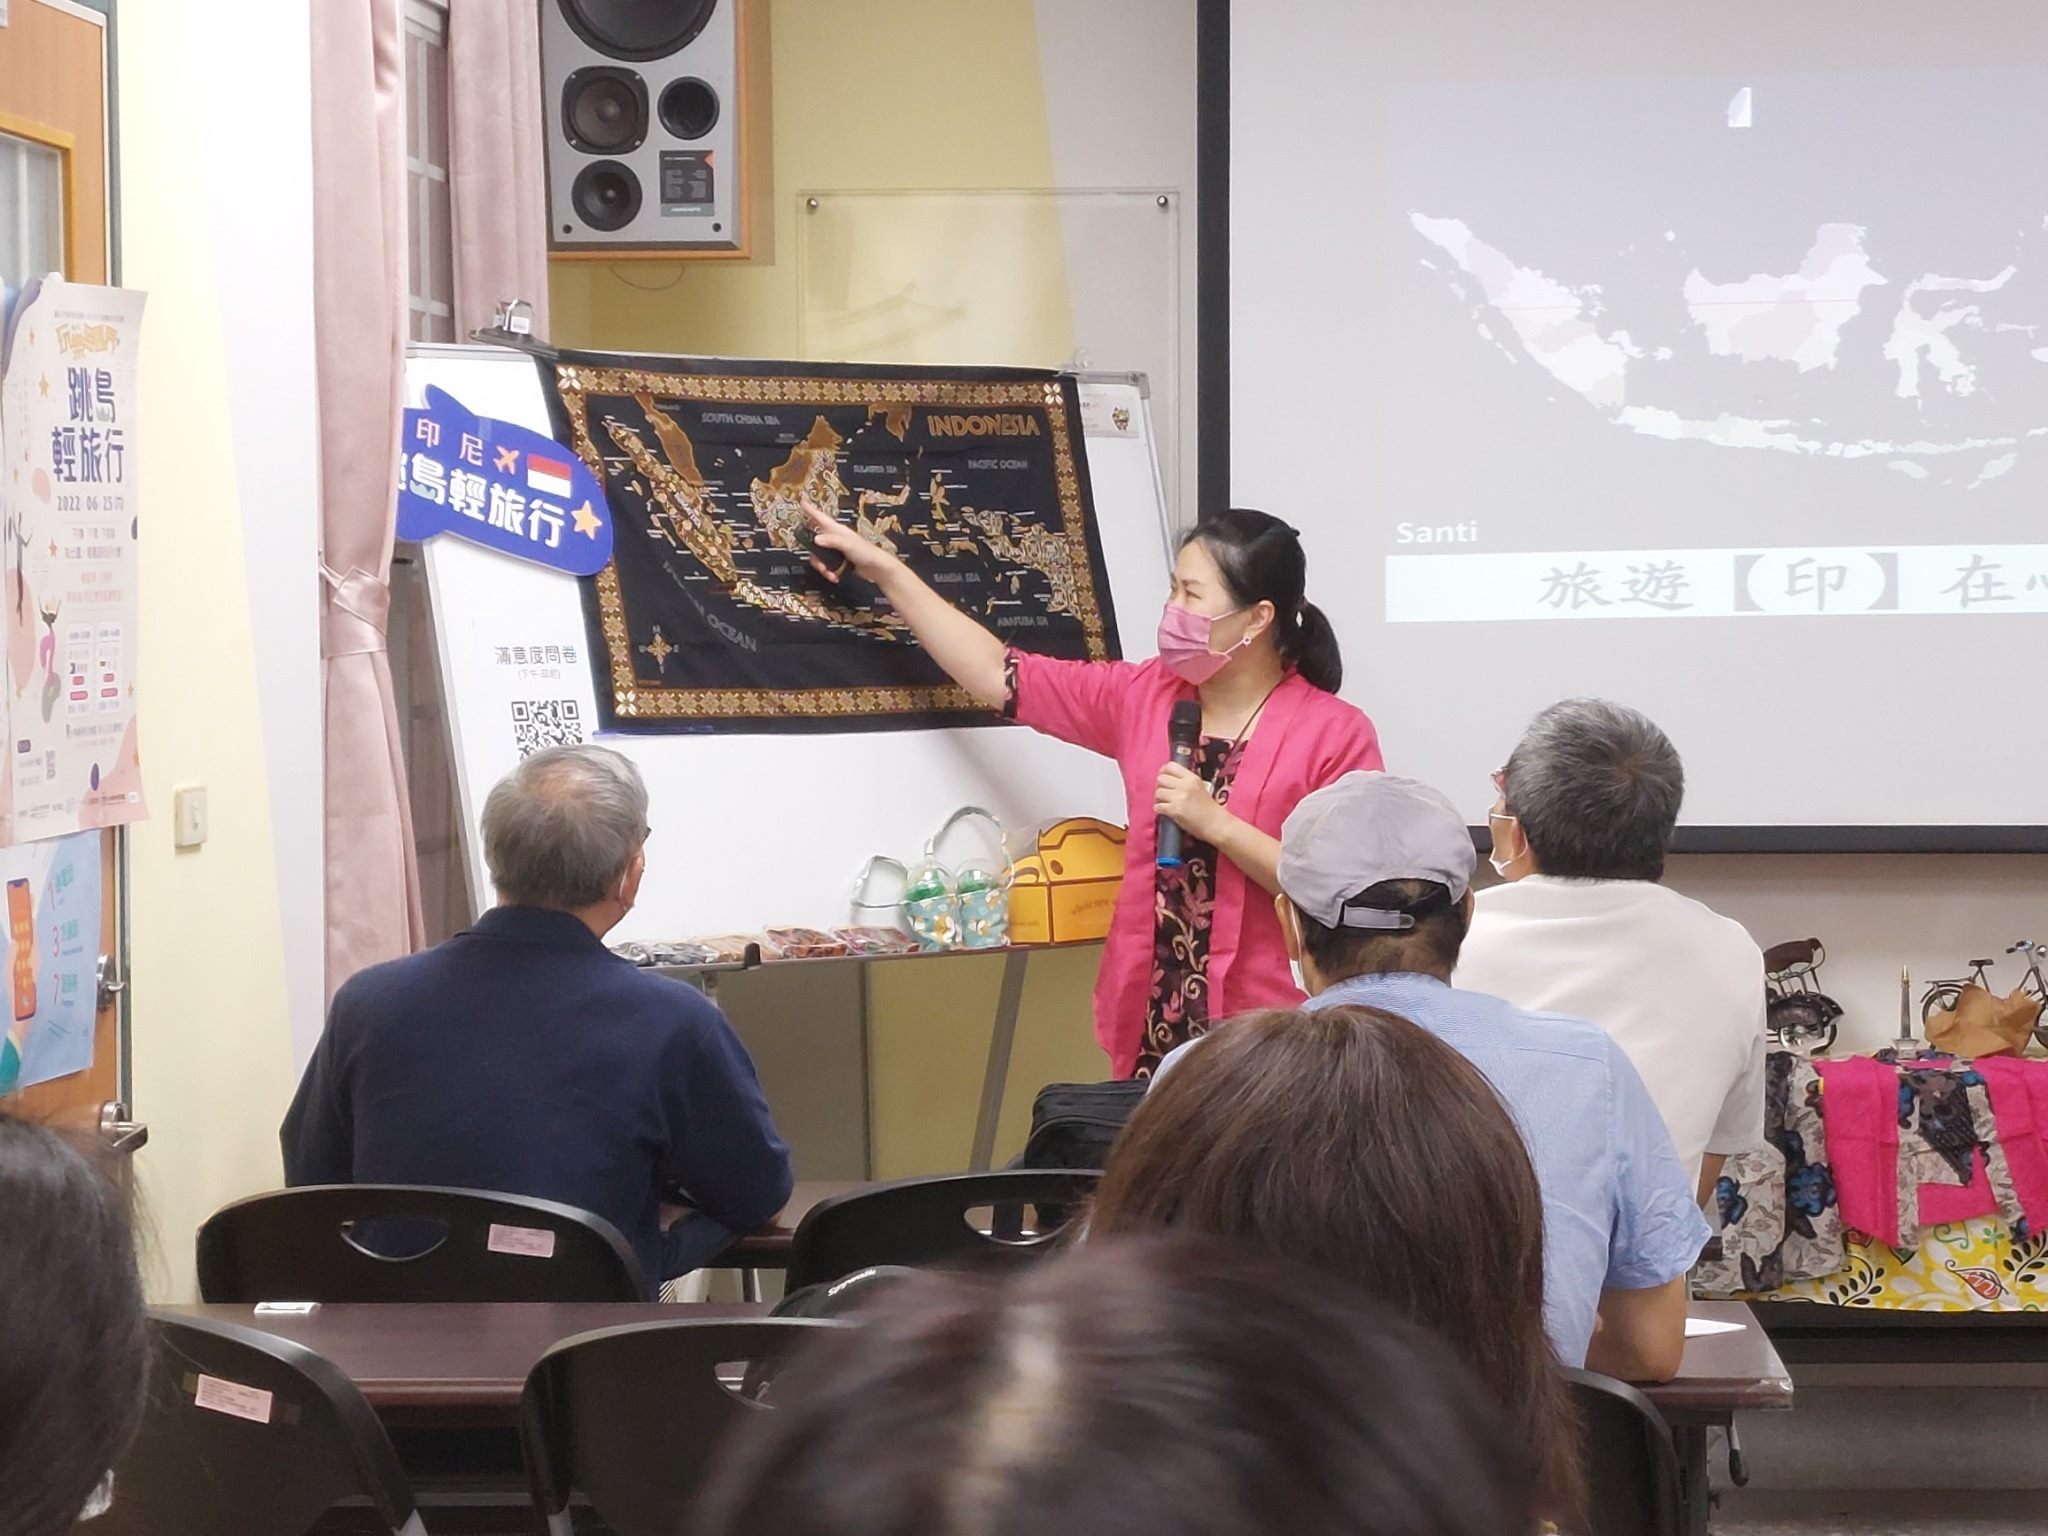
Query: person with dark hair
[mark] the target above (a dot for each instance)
(1194, 940)
(1376, 876)
(1587, 805)
(1358, 1143)
(74, 1347)
(1167, 1385)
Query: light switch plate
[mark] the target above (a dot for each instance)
(189, 815)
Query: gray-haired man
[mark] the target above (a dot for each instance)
(523, 1056)
(1588, 801)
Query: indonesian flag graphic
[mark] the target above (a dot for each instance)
(545, 474)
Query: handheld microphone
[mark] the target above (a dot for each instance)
(1184, 731)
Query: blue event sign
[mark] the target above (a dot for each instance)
(503, 486)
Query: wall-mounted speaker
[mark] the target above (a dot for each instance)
(656, 132)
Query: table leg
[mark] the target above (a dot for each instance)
(750, 1284)
(1695, 1497)
(996, 1076)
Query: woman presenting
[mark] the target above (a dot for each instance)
(1195, 942)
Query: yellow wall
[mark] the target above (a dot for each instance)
(212, 1060)
(917, 95)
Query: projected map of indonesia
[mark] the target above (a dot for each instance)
(1798, 320)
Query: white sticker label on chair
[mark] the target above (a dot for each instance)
(527, 1242)
(233, 1399)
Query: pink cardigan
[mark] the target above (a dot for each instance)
(1305, 739)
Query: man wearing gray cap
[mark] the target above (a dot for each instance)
(1375, 875)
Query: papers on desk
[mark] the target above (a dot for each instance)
(1700, 1327)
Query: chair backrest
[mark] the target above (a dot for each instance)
(402, 1242)
(845, 1296)
(249, 1433)
(628, 1417)
(1630, 1464)
(925, 1223)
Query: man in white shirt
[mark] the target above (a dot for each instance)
(1588, 801)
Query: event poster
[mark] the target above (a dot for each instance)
(53, 949)
(710, 615)
(68, 405)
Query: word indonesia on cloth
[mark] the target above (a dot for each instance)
(710, 617)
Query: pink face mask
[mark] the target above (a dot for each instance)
(1184, 644)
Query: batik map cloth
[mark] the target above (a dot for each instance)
(710, 616)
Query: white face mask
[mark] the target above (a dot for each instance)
(1500, 866)
(1300, 981)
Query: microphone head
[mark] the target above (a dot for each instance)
(1185, 722)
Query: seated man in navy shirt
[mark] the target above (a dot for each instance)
(523, 1056)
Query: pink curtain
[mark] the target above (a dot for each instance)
(359, 254)
(497, 176)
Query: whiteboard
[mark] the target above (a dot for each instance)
(751, 831)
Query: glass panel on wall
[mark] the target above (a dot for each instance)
(31, 209)
(430, 297)
(1036, 279)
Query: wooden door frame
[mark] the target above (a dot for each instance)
(114, 858)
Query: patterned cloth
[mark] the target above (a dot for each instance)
(1953, 1171)
(1967, 1266)
(1184, 900)
(1779, 1216)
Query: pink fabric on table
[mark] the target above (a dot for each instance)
(1940, 1203)
(2019, 1103)
(1859, 1105)
(1305, 739)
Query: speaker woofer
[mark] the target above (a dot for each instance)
(637, 29)
(689, 108)
(606, 195)
(604, 110)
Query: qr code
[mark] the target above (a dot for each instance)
(538, 723)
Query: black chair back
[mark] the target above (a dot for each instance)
(401, 1242)
(1631, 1467)
(248, 1433)
(629, 1417)
(925, 1223)
(843, 1297)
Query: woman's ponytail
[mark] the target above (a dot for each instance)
(1262, 561)
(1312, 648)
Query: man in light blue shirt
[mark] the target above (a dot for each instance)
(1375, 874)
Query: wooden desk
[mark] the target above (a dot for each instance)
(1721, 1375)
(406, 1356)
(769, 1247)
(418, 1363)
(466, 1365)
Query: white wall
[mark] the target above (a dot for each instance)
(226, 939)
(1876, 913)
(263, 277)
(1120, 113)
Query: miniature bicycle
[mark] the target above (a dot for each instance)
(1944, 995)
(1799, 1015)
